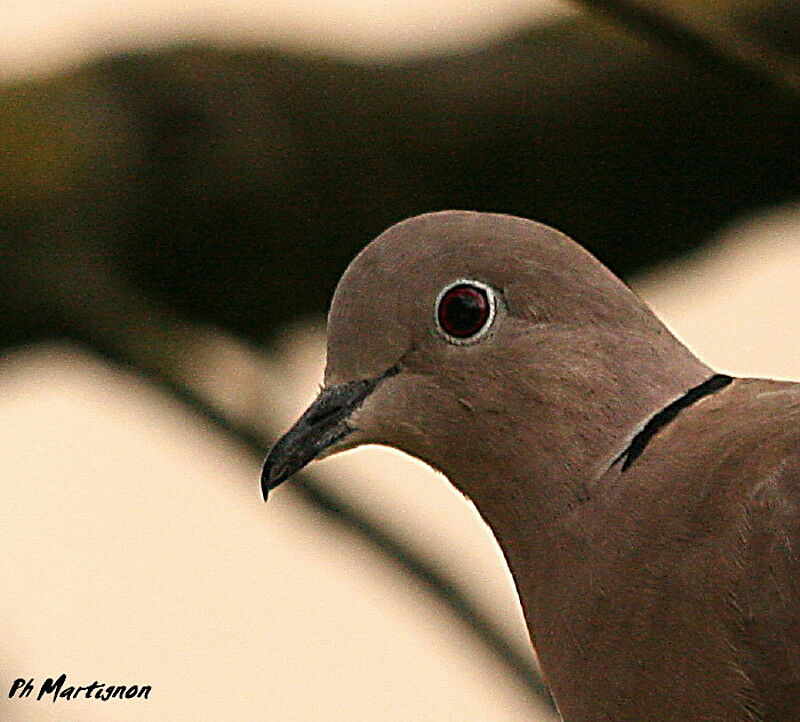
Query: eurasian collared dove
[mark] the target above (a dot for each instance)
(647, 507)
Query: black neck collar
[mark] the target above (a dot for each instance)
(661, 418)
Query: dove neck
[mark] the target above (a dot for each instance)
(578, 403)
(545, 492)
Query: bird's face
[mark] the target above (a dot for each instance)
(447, 324)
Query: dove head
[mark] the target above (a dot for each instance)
(491, 347)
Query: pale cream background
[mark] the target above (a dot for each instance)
(38, 35)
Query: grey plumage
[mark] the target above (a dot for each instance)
(652, 529)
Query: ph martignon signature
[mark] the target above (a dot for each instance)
(58, 689)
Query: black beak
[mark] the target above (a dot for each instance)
(323, 424)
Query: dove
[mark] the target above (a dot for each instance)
(646, 505)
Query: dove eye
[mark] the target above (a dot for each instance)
(465, 311)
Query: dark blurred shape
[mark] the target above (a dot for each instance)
(236, 186)
(261, 167)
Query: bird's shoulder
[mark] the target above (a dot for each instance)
(749, 430)
(738, 454)
(757, 439)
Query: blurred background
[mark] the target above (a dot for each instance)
(181, 186)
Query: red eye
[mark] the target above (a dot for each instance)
(464, 310)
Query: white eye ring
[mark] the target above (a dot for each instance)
(484, 320)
